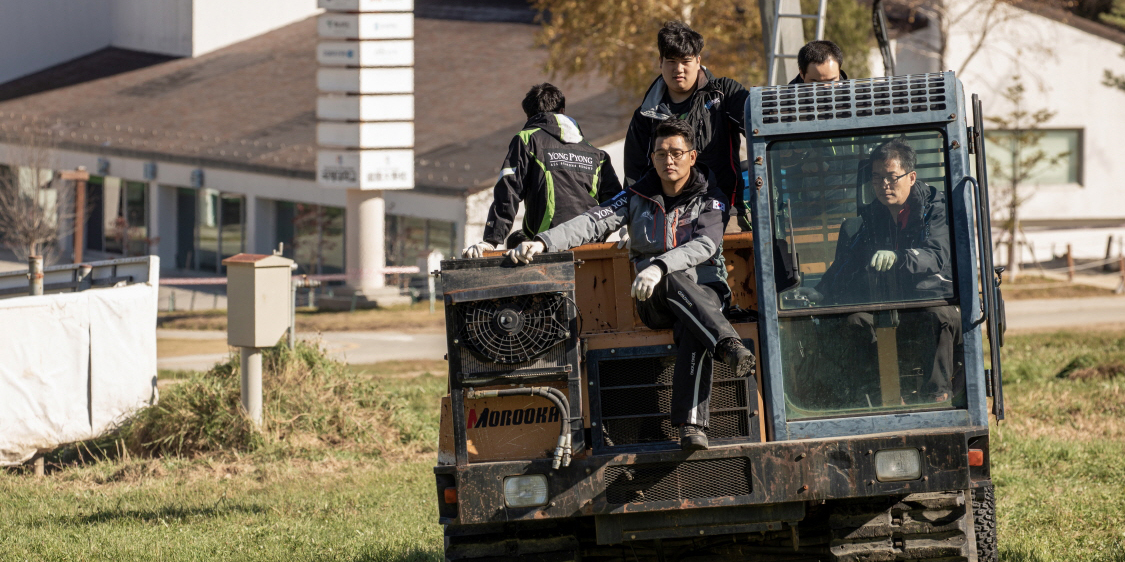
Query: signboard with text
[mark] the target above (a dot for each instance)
(365, 169)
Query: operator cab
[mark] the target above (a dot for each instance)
(856, 340)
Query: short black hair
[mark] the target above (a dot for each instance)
(818, 52)
(896, 149)
(543, 98)
(678, 41)
(676, 128)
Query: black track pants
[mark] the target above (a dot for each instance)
(928, 338)
(695, 314)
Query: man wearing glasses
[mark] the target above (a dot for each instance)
(897, 249)
(675, 222)
(714, 107)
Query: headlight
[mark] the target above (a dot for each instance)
(525, 491)
(892, 465)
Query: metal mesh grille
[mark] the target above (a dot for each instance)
(646, 400)
(516, 329)
(651, 429)
(855, 99)
(641, 387)
(678, 481)
(647, 370)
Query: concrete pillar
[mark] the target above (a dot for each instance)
(153, 217)
(250, 224)
(365, 240)
(162, 209)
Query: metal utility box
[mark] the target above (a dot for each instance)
(259, 297)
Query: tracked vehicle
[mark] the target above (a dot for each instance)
(556, 442)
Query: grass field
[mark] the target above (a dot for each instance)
(1058, 465)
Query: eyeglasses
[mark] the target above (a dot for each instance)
(884, 180)
(677, 155)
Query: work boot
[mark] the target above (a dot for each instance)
(692, 438)
(736, 356)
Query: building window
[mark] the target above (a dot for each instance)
(118, 216)
(1061, 161)
(313, 236)
(219, 228)
(411, 238)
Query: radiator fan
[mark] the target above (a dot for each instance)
(516, 329)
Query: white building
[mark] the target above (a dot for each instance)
(198, 122)
(1061, 60)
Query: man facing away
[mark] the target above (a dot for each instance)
(713, 107)
(551, 168)
(675, 223)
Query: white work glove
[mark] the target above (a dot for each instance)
(526, 250)
(477, 250)
(624, 233)
(883, 260)
(646, 282)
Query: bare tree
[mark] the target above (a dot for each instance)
(1114, 80)
(977, 19)
(35, 208)
(1024, 159)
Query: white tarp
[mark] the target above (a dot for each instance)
(73, 365)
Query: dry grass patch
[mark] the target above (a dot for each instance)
(181, 348)
(415, 318)
(1034, 287)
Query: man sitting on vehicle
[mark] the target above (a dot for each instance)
(675, 222)
(551, 168)
(897, 250)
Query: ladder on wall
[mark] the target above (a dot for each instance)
(787, 36)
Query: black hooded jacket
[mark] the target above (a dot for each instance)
(555, 172)
(716, 111)
(922, 268)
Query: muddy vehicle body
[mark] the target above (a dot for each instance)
(556, 441)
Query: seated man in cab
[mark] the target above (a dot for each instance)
(675, 221)
(551, 168)
(897, 250)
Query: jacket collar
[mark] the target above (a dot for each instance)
(653, 105)
(557, 125)
(649, 185)
(918, 203)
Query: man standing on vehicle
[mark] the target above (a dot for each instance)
(675, 223)
(713, 107)
(551, 168)
(820, 61)
(897, 250)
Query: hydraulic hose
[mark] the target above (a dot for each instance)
(563, 448)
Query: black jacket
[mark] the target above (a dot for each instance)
(555, 172)
(717, 112)
(923, 267)
(687, 236)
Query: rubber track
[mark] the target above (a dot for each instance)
(932, 527)
(984, 523)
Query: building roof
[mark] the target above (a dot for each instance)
(1053, 9)
(252, 106)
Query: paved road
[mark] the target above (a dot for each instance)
(357, 348)
(1049, 314)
